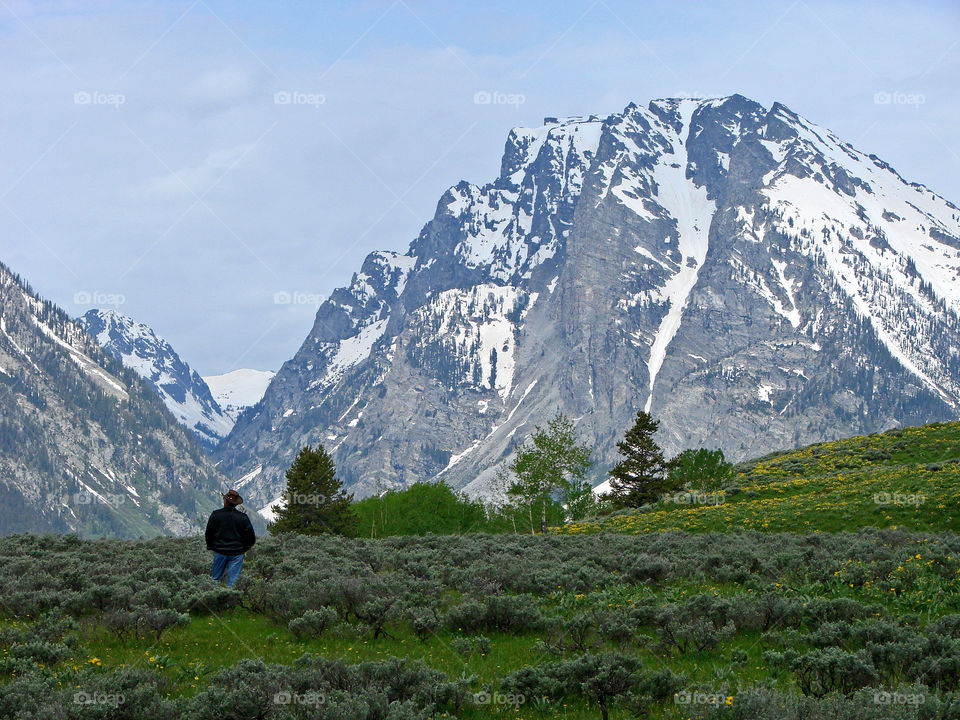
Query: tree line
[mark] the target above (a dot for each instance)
(544, 484)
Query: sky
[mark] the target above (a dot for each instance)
(215, 169)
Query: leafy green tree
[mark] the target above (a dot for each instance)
(513, 513)
(700, 468)
(580, 500)
(424, 507)
(554, 462)
(641, 476)
(314, 502)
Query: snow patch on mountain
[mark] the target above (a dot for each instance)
(902, 233)
(97, 373)
(474, 330)
(688, 205)
(349, 352)
(238, 389)
(515, 223)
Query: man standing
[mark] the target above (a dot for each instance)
(229, 534)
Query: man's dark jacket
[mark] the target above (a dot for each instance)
(229, 532)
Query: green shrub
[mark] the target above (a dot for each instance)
(499, 613)
(603, 679)
(820, 672)
(313, 623)
(467, 646)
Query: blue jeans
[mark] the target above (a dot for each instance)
(230, 563)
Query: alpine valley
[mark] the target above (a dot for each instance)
(743, 274)
(751, 279)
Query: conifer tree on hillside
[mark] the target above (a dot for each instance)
(641, 477)
(314, 502)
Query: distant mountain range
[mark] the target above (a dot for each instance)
(744, 274)
(183, 391)
(208, 406)
(237, 390)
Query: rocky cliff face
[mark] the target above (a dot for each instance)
(746, 276)
(85, 445)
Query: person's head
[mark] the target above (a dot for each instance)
(232, 498)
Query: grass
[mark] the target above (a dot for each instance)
(906, 478)
(188, 655)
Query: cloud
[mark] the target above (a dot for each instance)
(222, 89)
(194, 180)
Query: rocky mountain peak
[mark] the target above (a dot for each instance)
(750, 278)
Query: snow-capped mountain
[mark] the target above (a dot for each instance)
(183, 391)
(237, 390)
(85, 445)
(744, 274)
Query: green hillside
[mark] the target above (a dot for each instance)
(903, 478)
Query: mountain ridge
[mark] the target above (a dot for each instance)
(753, 280)
(85, 445)
(237, 390)
(181, 388)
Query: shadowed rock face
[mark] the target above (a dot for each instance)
(748, 277)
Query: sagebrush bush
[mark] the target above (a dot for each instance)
(313, 623)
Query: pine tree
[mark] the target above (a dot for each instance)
(641, 476)
(314, 501)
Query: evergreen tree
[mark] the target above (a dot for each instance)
(641, 477)
(314, 501)
(554, 462)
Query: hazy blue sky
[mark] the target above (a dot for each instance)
(144, 156)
